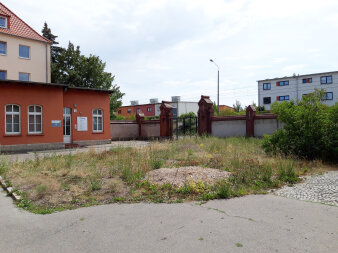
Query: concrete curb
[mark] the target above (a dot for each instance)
(9, 190)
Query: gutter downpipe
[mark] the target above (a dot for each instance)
(46, 62)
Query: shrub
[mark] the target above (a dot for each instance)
(118, 117)
(95, 185)
(223, 189)
(310, 130)
(156, 164)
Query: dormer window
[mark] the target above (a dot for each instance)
(3, 22)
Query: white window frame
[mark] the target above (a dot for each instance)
(29, 51)
(98, 116)
(149, 109)
(13, 113)
(6, 22)
(4, 42)
(34, 114)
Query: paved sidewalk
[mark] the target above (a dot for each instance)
(96, 148)
(257, 223)
(317, 188)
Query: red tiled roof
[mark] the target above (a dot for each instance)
(17, 27)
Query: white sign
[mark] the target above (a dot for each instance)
(56, 123)
(82, 124)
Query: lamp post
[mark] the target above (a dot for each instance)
(217, 85)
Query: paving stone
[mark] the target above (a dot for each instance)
(319, 188)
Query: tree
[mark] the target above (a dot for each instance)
(310, 130)
(55, 50)
(214, 106)
(69, 66)
(237, 106)
(187, 122)
(47, 33)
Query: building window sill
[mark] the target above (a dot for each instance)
(24, 58)
(35, 134)
(98, 132)
(13, 135)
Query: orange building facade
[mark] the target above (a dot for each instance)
(225, 107)
(39, 116)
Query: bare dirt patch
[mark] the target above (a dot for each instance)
(179, 176)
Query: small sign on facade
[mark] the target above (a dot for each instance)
(82, 124)
(56, 123)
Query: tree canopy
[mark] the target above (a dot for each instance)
(69, 66)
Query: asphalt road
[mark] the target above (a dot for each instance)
(261, 223)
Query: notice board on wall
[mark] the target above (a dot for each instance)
(82, 124)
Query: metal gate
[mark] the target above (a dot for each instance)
(184, 126)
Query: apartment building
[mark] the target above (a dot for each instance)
(294, 87)
(24, 53)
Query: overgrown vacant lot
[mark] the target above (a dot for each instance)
(120, 175)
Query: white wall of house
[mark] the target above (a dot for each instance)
(186, 107)
(38, 66)
(182, 107)
(296, 88)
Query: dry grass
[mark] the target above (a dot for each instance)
(119, 174)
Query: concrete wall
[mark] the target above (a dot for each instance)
(35, 66)
(296, 88)
(150, 130)
(266, 126)
(228, 128)
(123, 129)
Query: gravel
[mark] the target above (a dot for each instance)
(179, 176)
(320, 188)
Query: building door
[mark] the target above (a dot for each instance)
(67, 125)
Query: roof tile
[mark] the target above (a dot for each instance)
(18, 27)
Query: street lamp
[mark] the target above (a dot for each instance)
(217, 85)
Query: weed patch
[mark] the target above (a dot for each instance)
(118, 175)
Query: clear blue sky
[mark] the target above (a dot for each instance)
(161, 48)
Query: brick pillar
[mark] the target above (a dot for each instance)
(139, 120)
(165, 119)
(250, 121)
(205, 112)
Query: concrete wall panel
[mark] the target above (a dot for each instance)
(228, 128)
(151, 130)
(123, 130)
